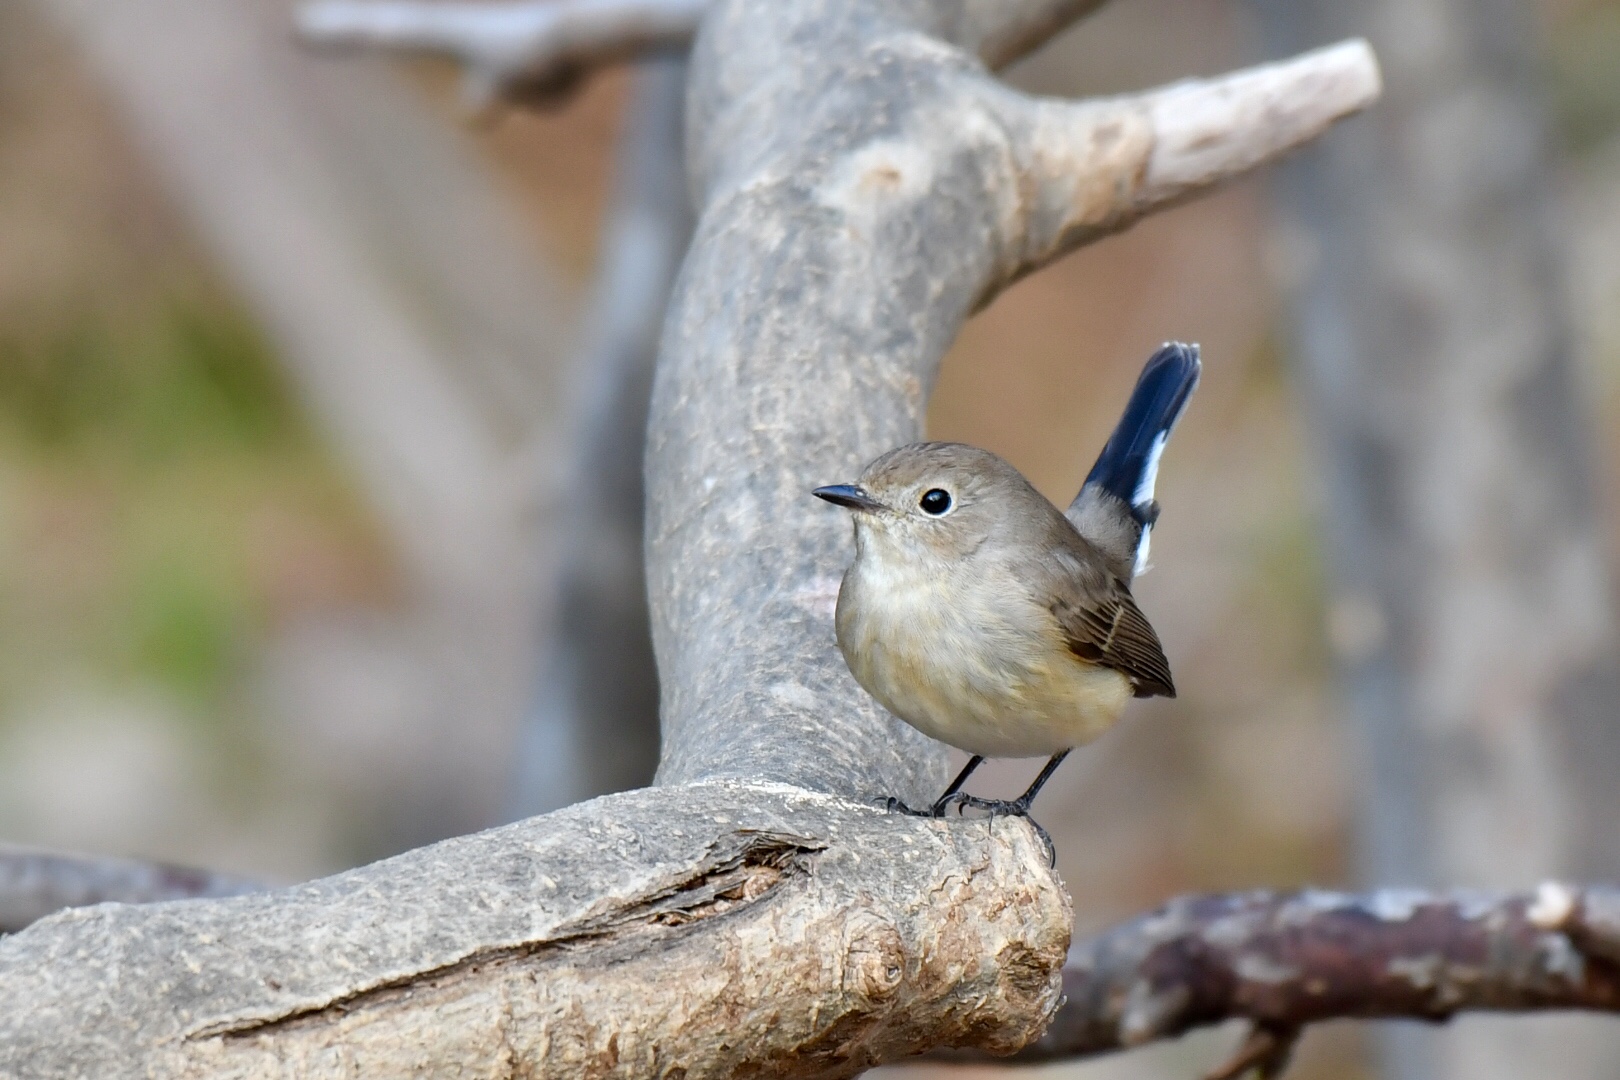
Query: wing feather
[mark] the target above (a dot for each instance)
(1103, 625)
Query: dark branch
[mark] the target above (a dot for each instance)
(35, 883)
(1284, 961)
(1265, 1051)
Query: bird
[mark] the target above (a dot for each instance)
(984, 617)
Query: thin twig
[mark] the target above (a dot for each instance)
(519, 52)
(1265, 1051)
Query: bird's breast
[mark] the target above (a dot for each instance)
(967, 656)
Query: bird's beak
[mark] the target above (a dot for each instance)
(849, 496)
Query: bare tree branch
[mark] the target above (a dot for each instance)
(1000, 31)
(519, 51)
(536, 51)
(1284, 961)
(34, 884)
(1099, 166)
(1590, 916)
(864, 184)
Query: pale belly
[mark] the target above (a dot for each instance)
(989, 686)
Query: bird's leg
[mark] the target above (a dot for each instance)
(943, 802)
(1027, 799)
(953, 793)
(1019, 807)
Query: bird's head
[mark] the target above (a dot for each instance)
(934, 499)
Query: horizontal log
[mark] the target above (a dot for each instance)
(705, 929)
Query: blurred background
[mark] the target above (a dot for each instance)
(298, 372)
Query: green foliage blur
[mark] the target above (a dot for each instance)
(149, 467)
(192, 375)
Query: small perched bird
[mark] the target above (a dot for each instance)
(983, 617)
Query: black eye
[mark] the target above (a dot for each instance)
(935, 501)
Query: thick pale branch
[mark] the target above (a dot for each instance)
(33, 884)
(520, 51)
(1097, 166)
(1283, 961)
(707, 930)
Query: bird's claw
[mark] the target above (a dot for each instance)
(994, 807)
(1009, 808)
(894, 805)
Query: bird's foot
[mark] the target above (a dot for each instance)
(895, 806)
(945, 802)
(955, 798)
(1008, 808)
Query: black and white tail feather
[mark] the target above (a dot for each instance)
(1115, 509)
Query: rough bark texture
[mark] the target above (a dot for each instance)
(865, 184)
(1471, 605)
(721, 929)
(593, 728)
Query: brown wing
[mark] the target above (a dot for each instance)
(1103, 625)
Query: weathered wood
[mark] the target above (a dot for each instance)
(836, 258)
(710, 930)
